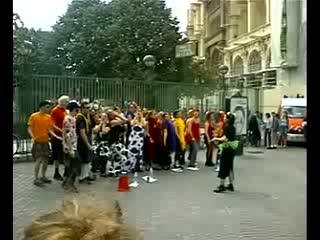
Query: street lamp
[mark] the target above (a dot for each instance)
(223, 70)
(149, 61)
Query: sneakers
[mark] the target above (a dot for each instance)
(58, 177)
(230, 188)
(210, 164)
(220, 189)
(193, 168)
(45, 180)
(217, 169)
(38, 182)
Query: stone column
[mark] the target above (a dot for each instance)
(267, 11)
(251, 14)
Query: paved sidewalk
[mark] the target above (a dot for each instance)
(269, 201)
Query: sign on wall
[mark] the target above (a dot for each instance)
(239, 107)
(184, 50)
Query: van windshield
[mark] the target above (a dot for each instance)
(296, 111)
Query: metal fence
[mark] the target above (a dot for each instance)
(32, 89)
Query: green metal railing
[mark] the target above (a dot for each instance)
(156, 95)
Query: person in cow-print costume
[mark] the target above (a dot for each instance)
(119, 152)
(136, 142)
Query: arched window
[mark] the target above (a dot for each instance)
(254, 61)
(237, 66)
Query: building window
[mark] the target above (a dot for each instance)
(254, 62)
(237, 66)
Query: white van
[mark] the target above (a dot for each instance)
(296, 108)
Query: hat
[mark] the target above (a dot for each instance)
(72, 105)
(44, 103)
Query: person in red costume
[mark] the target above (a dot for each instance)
(193, 138)
(153, 140)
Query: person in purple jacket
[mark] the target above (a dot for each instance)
(169, 140)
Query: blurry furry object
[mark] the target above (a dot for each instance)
(75, 222)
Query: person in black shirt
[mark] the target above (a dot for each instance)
(228, 146)
(84, 147)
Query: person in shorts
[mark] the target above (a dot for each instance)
(57, 114)
(40, 125)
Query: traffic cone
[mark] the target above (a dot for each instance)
(123, 184)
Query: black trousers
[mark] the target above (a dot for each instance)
(72, 169)
(208, 151)
(226, 162)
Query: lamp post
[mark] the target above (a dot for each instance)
(149, 61)
(223, 70)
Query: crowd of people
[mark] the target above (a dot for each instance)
(90, 139)
(273, 129)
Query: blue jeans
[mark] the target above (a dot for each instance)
(194, 148)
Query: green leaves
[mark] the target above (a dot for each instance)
(107, 39)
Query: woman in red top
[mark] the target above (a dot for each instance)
(209, 134)
(153, 138)
(193, 138)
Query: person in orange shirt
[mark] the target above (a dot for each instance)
(40, 126)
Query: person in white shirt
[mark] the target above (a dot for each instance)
(69, 142)
(267, 131)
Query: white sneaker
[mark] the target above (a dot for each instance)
(177, 170)
(134, 184)
(193, 168)
(217, 169)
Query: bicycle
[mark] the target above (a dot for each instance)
(16, 143)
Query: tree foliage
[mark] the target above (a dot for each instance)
(109, 39)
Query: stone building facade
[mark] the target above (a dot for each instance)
(238, 34)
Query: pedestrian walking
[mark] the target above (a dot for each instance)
(228, 151)
(40, 125)
(274, 130)
(193, 138)
(283, 128)
(267, 131)
(254, 131)
(260, 125)
(69, 142)
(84, 144)
(57, 114)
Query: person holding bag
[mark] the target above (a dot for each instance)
(228, 151)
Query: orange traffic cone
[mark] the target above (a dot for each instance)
(123, 184)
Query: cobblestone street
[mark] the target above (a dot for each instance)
(269, 201)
